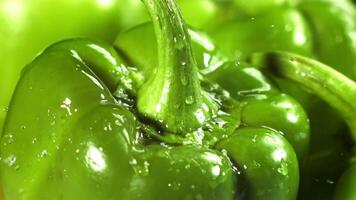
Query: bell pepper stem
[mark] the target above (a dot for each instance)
(330, 85)
(173, 95)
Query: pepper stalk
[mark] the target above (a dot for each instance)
(173, 96)
(333, 87)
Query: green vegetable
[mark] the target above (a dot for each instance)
(332, 86)
(83, 124)
(27, 27)
(262, 96)
(321, 29)
(345, 188)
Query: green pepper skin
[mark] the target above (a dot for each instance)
(271, 164)
(27, 27)
(346, 185)
(95, 136)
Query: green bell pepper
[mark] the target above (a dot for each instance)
(113, 130)
(345, 187)
(257, 89)
(26, 27)
(321, 29)
(332, 86)
(305, 23)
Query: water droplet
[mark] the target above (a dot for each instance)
(142, 168)
(283, 169)
(220, 122)
(178, 43)
(302, 74)
(329, 181)
(10, 161)
(34, 140)
(256, 164)
(10, 138)
(272, 25)
(215, 170)
(6, 109)
(174, 186)
(133, 161)
(237, 63)
(189, 100)
(236, 170)
(43, 153)
(280, 132)
(65, 173)
(66, 105)
(108, 127)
